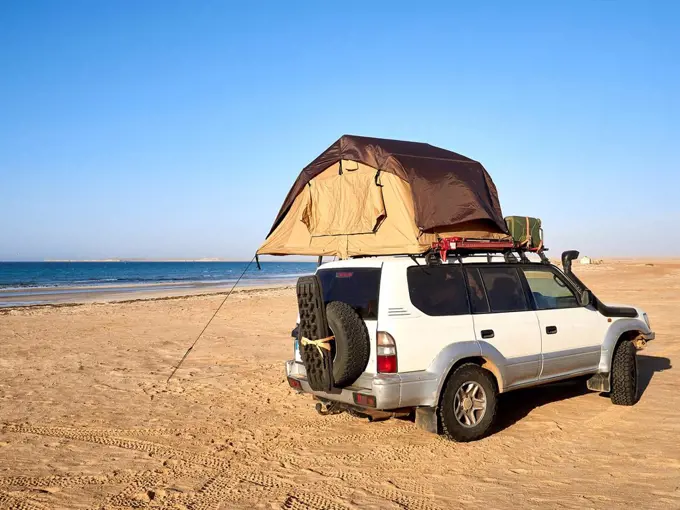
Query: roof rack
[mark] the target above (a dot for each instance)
(459, 246)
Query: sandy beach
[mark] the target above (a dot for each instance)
(88, 421)
(69, 295)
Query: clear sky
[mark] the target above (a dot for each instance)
(176, 128)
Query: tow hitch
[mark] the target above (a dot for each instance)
(329, 408)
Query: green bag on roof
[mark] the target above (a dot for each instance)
(525, 231)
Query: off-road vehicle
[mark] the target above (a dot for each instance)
(443, 336)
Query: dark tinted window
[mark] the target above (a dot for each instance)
(358, 288)
(549, 290)
(504, 289)
(438, 290)
(478, 300)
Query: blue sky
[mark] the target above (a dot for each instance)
(176, 128)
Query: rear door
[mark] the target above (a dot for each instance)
(431, 315)
(504, 321)
(572, 334)
(359, 287)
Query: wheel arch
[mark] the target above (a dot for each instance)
(620, 331)
(480, 361)
(456, 354)
(630, 334)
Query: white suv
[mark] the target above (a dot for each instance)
(446, 337)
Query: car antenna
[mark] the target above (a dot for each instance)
(213, 316)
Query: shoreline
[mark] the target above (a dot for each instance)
(103, 287)
(79, 295)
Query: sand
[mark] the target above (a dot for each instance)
(88, 421)
(116, 293)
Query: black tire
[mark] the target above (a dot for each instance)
(452, 427)
(352, 345)
(624, 374)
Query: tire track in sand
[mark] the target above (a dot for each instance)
(299, 500)
(230, 482)
(53, 481)
(110, 438)
(238, 487)
(16, 503)
(135, 494)
(412, 496)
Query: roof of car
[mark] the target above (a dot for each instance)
(407, 261)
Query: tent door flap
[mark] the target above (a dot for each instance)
(344, 204)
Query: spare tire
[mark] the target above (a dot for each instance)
(352, 346)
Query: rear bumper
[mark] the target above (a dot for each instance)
(391, 391)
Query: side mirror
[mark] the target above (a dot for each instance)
(586, 297)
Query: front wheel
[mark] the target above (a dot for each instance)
(468, 406)
(624, 374)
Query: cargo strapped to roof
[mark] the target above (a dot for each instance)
(463, 246)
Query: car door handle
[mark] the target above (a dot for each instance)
(551, 330)
(487, 333)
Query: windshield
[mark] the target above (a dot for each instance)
(358, 287)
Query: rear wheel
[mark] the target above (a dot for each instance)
(624, 374)
(468, 406)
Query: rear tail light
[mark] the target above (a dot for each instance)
(364, 400)
(295, 384)
(387, 353)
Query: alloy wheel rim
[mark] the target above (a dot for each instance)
(469, 404)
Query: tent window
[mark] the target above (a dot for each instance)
(346, 204)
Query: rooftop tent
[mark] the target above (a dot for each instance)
(374, 196)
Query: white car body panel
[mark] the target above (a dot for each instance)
(517, 338)
(419, 337)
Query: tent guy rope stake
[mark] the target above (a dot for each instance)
(211, 319)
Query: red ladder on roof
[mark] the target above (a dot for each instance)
(461, 244)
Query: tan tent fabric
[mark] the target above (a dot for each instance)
(371, 202)
(396, 234)
(344, 203)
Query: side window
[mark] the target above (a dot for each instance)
(549, 290)
(478, 301)
(438, 290)
(504, 289)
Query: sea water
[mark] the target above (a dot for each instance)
(20, 280)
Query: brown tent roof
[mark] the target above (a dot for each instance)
(448, 189)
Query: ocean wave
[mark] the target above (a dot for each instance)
(147, 281)
(17, 276)
(93, 280)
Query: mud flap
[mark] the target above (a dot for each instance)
(426, 419)
(313, 325)
(599, 382)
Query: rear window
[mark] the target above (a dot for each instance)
(438, 290)
(359, 288)
(504, 289)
